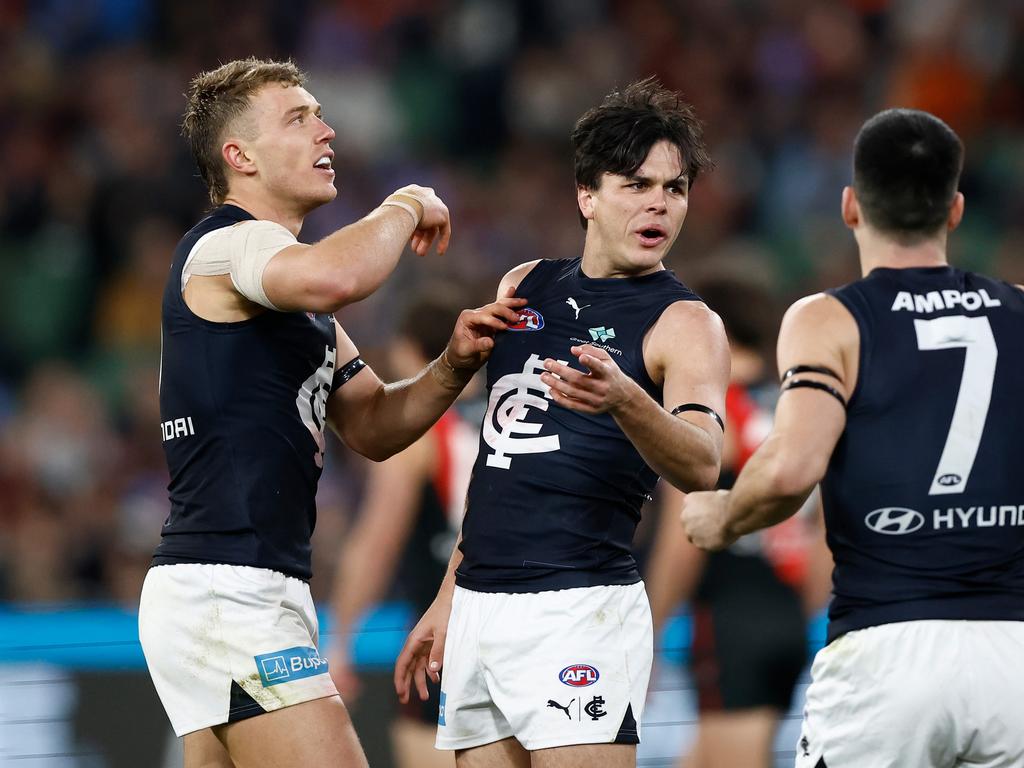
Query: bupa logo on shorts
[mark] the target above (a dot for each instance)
(289, 664)
(529, 320)
(579, 675)
(440, 708)
(894, 521)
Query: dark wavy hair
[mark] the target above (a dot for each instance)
(616, 136)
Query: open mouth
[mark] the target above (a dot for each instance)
(324, 164)
(651, 236)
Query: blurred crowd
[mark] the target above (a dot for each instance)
(473, 97)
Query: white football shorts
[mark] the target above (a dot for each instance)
(228, 642)
(927, 694)
(552, 668)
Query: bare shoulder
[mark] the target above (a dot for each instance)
(818, 330)
(686, 332)
(693, 318)
(819, 313)
(515, 276)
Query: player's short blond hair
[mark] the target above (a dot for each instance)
(217, 98)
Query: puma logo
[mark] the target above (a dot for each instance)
(576, 307)
(556, 705)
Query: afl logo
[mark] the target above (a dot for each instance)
(579, 675)
(948, 480)
(894, 521)
(529, 320)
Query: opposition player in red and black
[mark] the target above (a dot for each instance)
(615, 374)
(253, 369)
(750, 601)
(408, 520)
(901, 394)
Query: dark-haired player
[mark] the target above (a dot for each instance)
(616, 374)
(901, 393)
(253, 368)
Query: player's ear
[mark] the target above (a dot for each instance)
(850, 208)
(585, 199)
(956, 212)
(237, 159)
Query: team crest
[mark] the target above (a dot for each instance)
(507, 428)
(529, 320)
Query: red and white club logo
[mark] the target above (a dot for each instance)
(529, 320)
(579, 675)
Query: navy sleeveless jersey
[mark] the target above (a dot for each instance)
(243, 412)
(555, 495)
(924, 494)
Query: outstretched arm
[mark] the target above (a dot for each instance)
(778, 478)
(378, 420)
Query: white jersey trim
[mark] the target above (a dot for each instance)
(241, 251)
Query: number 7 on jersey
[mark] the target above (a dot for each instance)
(973, 398)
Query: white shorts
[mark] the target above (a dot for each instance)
(550, 668)
(919, 693)
(228, 642)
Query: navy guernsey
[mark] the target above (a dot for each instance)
(243, 412)
(555, 495)
(924, 493)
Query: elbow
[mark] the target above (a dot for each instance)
(704, 476)
(791, 479)
(370, 449)
(335, 292)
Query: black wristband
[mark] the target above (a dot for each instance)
(799, 383)
(702, 409)
(347, 371)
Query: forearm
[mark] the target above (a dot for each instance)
(366, 252)
(685, 455)
(772, 487)
(403, 411)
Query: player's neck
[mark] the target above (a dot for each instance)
(879, 251)
(266, 209)
(597, 264)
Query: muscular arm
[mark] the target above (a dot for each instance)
(351, 263)
(684, 449)
(781, 474)
(378, 420)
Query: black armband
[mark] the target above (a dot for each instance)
(811, 369)
(798, 383)
(702, 409)
(346, 372)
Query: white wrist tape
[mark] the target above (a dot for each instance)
(396, 201)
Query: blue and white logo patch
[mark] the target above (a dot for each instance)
(440, 708)
(289, 664)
